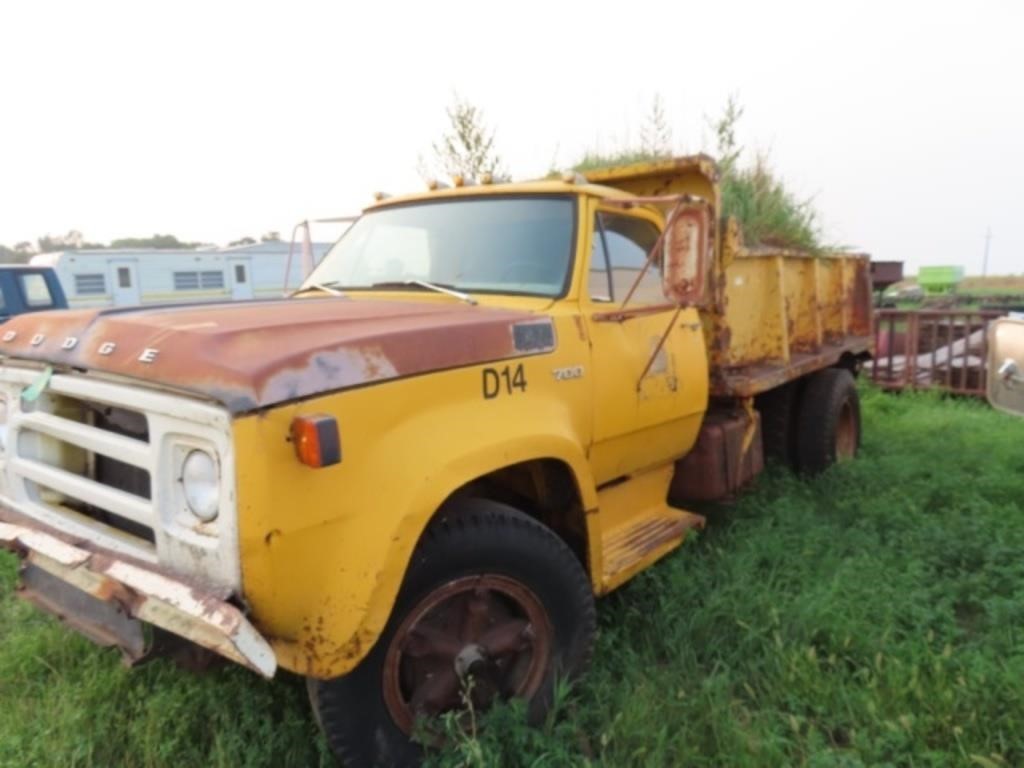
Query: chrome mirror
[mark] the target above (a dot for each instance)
(1005, 357)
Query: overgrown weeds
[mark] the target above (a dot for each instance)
(768, 212)
(871, 616)
(754, 193)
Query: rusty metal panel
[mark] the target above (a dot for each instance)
(105, 623)
(932, 349)
(886, 273)
(779, 314)
(250, 355)
(138, 593)
(691, 175)
(728, 455)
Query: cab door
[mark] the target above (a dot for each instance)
(649, 365)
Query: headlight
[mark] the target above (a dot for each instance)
(201, 485)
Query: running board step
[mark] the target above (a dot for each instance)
(631, 547)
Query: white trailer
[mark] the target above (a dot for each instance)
(127, 277)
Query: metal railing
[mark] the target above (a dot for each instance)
(932, 349)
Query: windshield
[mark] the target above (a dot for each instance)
(519, 245)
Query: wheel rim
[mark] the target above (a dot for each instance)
(846, 433)
(487, 628)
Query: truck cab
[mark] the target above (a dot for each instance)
(29, 289)
(408, 482)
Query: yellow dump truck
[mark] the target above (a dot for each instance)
(488, 404)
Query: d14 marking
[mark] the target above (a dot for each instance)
(506, 380)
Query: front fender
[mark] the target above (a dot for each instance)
(324, 551)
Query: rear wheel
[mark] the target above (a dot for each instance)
(828, 422)
(778, 408)
(494, 605)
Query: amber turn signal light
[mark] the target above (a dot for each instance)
(317, 441)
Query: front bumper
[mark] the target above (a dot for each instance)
(109, 598)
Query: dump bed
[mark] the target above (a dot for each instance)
(773, 314)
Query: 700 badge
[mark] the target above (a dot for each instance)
(503, 380)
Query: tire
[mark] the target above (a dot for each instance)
(778, 409)
(828, 422)
(507, 582)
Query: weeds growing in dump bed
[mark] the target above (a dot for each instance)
(756, 196)
(872, 616)
(768, 213)
(593, 160)
(754, 193)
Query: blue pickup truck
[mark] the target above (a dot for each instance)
(28, 289)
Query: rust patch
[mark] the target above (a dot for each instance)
(750, 380)
(861, 313)
(249, 355)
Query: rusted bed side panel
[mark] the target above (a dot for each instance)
(779, 314)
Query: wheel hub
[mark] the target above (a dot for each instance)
(471, 641)
(846, 433)
(469, 656)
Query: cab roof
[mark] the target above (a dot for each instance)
(693, 174)
(540, 187)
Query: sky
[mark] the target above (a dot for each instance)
(903, 121)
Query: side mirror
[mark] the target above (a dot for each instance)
(1006, 365)
(686, 253)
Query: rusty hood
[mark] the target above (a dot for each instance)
(253, 354)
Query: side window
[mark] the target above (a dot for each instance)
(629, 240)
(598, 282)
(621, 246)
(35, 290)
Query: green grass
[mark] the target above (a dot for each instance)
(872, 617)
(594, 160)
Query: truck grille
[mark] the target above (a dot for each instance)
(87, 462)
(99, 460)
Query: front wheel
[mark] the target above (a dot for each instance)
(494, 605)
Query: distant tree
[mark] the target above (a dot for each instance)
(156, 241)
(467, 148)
(655, 134)
(12, 255)
(25, 247)
(273, 236)
(243, 241)
(72, 241)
